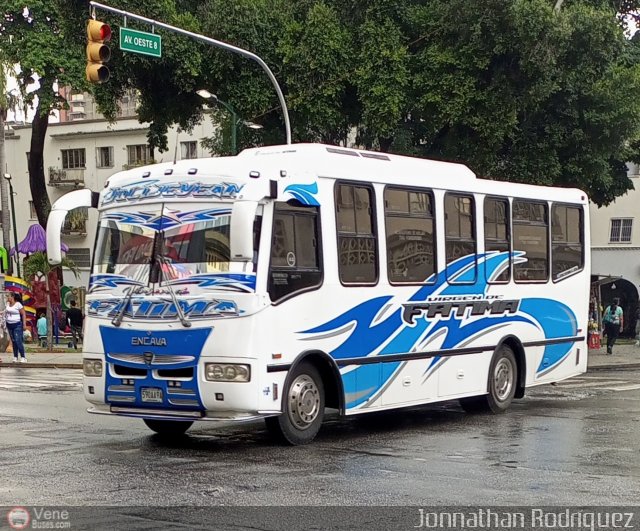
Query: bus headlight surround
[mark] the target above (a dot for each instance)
(227, 372)
(92, 367)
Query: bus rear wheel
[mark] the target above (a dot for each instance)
(503, 375)
(168, 428)
(303, 408)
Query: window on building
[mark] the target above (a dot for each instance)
(81, 256)
(296, 261)
(138, 154)
(357, 251)
(530, 236)
(621, 230)
(73, 158)
(460, 238)
(497, 236)
(32, 211)
(189, 150)
(567, 243)
(104, 157)
(411, 249)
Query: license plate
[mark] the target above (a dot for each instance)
(151, 394)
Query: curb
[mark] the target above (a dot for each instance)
(614, 367)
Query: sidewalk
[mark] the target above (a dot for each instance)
(39, 360)
(625, 356)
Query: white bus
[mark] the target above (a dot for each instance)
(292, 278)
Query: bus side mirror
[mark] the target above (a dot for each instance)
(243, 215)
(55, 221)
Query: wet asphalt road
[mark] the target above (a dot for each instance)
(575, 443)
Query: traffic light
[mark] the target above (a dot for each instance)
(98, 52)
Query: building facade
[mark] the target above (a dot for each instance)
(82, 151)
(615, 251)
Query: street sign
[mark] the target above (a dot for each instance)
(140, 42)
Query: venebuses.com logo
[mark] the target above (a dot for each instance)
(18, 518)
(38, 518)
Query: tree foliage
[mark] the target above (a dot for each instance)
(538, 91)
(533, 91)
(44, 38)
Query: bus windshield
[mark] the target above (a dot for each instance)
(129, 247)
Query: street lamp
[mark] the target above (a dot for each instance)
(7, 176)
(234, 118)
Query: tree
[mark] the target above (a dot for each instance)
(44, 40)
(527, 93)
(37, 265)
(47, 40)
(538, 91)
(534, 91)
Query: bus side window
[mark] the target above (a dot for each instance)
(460, 233)
(411, 246)
(530, 236)
(357, 248)
(497, 236)
(567, 247)
(296, 261)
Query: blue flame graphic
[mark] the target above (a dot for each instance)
(304, 193)
(372, 335)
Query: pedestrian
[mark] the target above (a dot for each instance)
(16, 322)
(613, 323)
(75, 318)
(638, 326)
(41, 325)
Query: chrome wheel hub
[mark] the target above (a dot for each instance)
(503, 379)
(304, 402)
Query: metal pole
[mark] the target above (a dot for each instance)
(15, 228)
(234, 133)
(220, 44)
(234, 124)
(4, 202)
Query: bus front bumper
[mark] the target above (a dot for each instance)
(219, 416)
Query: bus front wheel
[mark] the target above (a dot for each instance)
(303, 407)
(168, 428)
(503, 375)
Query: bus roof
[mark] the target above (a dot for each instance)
(310, 161)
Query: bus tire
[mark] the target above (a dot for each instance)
(303, 407)
(168, 428)
(502, 383)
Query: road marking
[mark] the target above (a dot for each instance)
(14, 379)
(623, 388)
(600, 383)
(592, 384)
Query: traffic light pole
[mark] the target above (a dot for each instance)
(234, 125)
(209, 40)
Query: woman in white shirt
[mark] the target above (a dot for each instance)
(16, 323)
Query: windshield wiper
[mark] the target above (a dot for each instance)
(160, 260)
(117, 320)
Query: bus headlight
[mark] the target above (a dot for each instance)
(227, 372)
(92, 367)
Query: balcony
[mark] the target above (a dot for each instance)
(138, 163)
(75, 224)
(70, 177)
